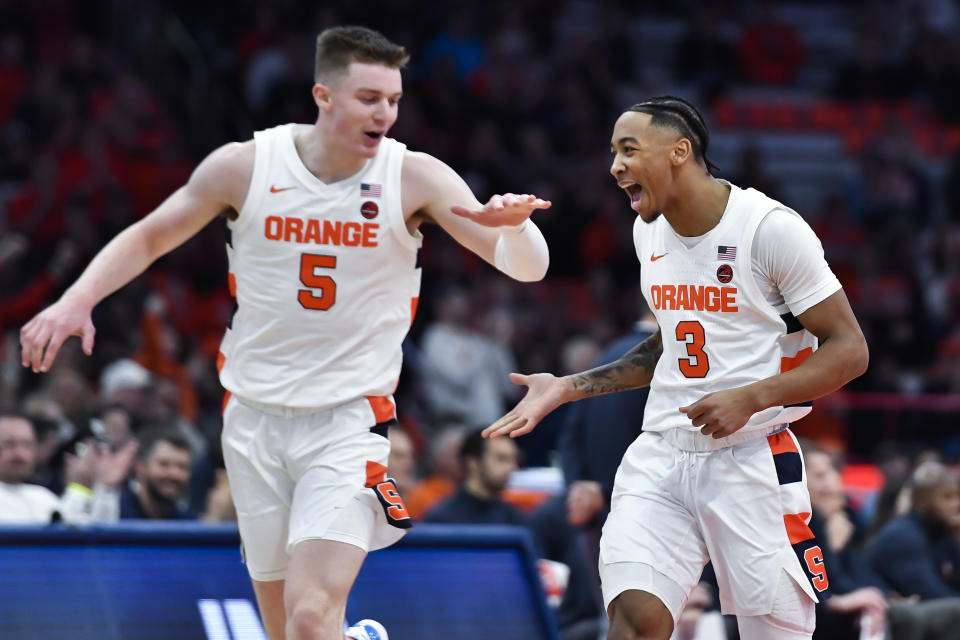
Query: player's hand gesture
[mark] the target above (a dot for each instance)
(42, 337)
(722, 413)
(507, 210)
(544, 394)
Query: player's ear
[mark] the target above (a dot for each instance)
(321, 96)
(680, 152)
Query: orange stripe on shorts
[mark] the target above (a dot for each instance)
(781, 442)
(226, 399)
(797, 529)
(413, 308)
(383, 409)
(376, 473)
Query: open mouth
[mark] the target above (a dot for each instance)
(634, 191)
(373, 135)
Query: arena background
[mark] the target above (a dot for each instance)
(848, 112)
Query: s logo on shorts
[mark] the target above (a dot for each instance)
(392, 503)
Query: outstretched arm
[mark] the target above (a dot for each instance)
(219, 182)
(499, 231)
(546, 392)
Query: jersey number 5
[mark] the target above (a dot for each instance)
(691, 333)
(322, 293)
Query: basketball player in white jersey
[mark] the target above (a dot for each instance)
(742, 295)
(323, 256)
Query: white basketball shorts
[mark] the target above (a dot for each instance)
(745, 507)
(299, 474)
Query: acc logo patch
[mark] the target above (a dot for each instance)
(724, 273)
(369, 210)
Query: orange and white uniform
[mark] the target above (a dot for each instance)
(726, 303)
(326, 278)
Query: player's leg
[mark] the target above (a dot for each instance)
(651, 550)
(636, 615)
(753, 512)
(343, 506)
(793, 616)
(318, 582)
(270, 602)
(261, 491)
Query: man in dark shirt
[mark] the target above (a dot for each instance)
(487, 465)
(859, 594)
(162, 476)
(919, 553)
(597, 432)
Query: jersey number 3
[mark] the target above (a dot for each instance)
(697, 364)
(322, 293)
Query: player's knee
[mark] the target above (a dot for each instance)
(637, 615)
(310, 614)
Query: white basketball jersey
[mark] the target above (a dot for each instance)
(718, 330)
(326, 279)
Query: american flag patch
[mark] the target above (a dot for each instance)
(726, 253)
(369, 190)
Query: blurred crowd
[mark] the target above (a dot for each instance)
(105, 106)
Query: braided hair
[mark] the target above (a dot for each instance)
(677, 113)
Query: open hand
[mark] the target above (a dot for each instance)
(507, 210)
(544, 394)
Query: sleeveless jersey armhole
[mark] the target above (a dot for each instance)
(395, 213)
(257, 188)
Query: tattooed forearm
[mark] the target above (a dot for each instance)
(632, 370)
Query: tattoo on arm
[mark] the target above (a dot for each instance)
(632, 370)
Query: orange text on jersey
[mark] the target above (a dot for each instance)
(314, 231)
(691, 297)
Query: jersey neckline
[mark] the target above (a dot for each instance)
(308, 177)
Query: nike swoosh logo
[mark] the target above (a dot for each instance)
(654, 258)
(273, 189)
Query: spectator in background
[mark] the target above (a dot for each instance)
(20, 501)
(858, 597)
(540, 447)
(487, 467)
(919, 553)
(127, 383)
(596, 435)
(402, 459)
(466, 371)
(159, 486)
(445, 474)
(859, 594)
(116, 424)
